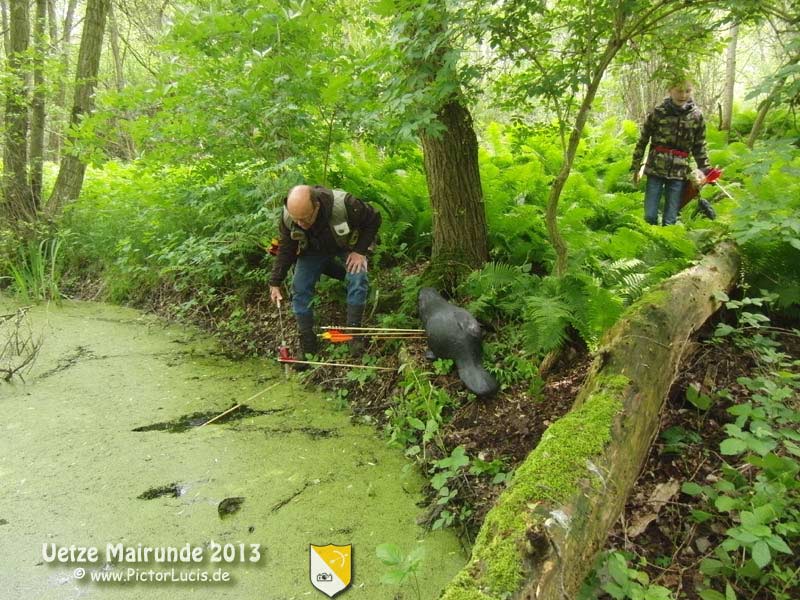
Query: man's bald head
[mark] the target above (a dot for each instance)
(301, 207)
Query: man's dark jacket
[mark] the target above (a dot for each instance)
(361, 217)
(676, 128)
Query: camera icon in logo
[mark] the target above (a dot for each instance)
(324, 577)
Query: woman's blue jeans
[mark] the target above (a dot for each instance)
(307, 272)
(672, 189)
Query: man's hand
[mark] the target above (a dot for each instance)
(635, 177)
(275, 294)
(356, 263)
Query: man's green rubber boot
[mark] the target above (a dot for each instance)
(308, 339)
(354, 316)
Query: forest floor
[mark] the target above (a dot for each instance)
(656, 526)
(656, 531)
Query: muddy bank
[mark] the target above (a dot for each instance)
(102, 446)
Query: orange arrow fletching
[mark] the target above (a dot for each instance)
(336, 337)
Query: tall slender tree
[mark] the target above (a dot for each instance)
(6, 28)
(38, 102)
(730, 79)
(72, 168)
(59, 107)
(17, 195)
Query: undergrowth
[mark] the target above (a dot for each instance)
(748, 507)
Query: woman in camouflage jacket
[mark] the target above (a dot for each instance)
(675, 129)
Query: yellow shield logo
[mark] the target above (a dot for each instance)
(330, 568)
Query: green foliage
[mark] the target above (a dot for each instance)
(615, 577)
(546, 307)
(444, 471)
(246, 81)
(416, 415)
(36, 270)
(396, 184)
(141, 230)
(765, 221)
(759, 512)
(404, 567)
(677, 439)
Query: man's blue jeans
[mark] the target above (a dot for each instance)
(307, 272)
(672, 189)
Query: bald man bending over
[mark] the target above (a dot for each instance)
(319, 227)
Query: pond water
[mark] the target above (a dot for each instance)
(100, 448)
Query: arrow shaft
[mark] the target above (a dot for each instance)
(328, 364)
(392, 329)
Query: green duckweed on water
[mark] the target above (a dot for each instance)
(100, 445)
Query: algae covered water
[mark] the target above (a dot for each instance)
(109, 487)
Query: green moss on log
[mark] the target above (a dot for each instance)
(549, 476)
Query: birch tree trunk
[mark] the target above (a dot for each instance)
(72, 169)
(730, 80)
(6, 30)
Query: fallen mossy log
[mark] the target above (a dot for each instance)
(540, 539)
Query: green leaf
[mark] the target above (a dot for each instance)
(701, 516)
(761, 554)
(723, 330)
(389, 554)
(699, 400)
(792, 447)
(725, 503)
(777, 543)
(711, 595)
(729, 593)
(416, 423)
(618, 568)
(741, 535)
(690, 488)
(657, 592)
(394, 577)
(720, 296)
(438, 480)
(732, 446)
(765, 513)
(711, 566)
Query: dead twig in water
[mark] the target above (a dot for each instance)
(233, 408)
(20, 348)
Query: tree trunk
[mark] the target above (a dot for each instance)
(113, 34)
(730, 80)
(6, 30)
(58, 120)
(37, 104)
(551, 216)
(72, 169)
(52, 22)
(17, 197)
(540, 540)
(128, 149)
(454, 185)
(758, 124)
